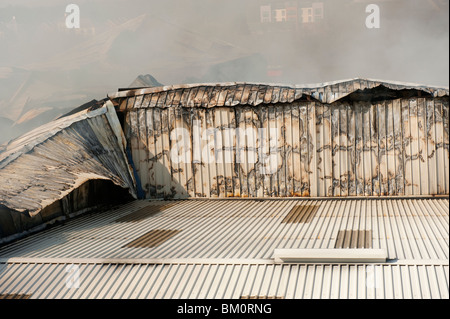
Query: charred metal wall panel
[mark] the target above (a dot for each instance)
(345, 139)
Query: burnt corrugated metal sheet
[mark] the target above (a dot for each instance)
(48, 163)
(224, 250)
(350, 138)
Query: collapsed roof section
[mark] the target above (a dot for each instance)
(51, 161)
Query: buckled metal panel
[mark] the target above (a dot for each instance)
(271, 141)
(48, 163)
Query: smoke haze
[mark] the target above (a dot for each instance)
(47, 69)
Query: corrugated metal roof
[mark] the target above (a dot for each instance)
(408, 229)
(225, 248)
(230, 281)
(48, 163)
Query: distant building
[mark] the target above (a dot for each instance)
(266, 14)
(291, 12)
(312, 14)
(280, 15)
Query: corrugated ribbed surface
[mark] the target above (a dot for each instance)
(354, 239)
(253, 94)
(370, 146)
(48, 163)
(200, 281)
(302, 213)
(153, 238)
(224, 248)
(143, 213)
(409, 229)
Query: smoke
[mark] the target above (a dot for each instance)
(46, 68)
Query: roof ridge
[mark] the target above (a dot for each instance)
(287, 85)
(248, 93)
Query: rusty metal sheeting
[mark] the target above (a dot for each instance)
(304, 148)
(48, 163)
(226, 281)
(238, 229)
(253, 94)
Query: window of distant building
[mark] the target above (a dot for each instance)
(312, 14)
(291, 13)
(280, 15)
(265, 14)
(318, 10)
(307, 15)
